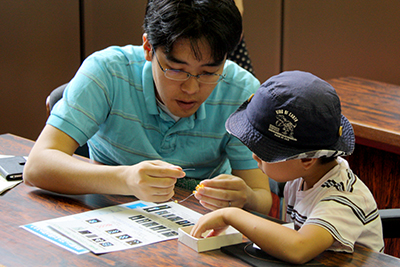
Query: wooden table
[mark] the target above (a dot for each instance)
(23, 205)
(373, 108)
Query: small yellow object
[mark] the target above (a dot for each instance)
(176, 201)
(340, 130)
(199, 186)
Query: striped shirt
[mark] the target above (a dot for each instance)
(111, 104)
(342, 204)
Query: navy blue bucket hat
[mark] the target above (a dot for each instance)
(293, 115)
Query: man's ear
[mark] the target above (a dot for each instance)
(148, 54)
(308, 162)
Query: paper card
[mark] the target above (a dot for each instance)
(230, 237)
(126, 226)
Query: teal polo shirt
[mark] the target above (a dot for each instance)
(111, 105)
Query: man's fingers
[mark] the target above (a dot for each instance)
(221, 182)
(165, 171)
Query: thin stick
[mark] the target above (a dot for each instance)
(180, 201)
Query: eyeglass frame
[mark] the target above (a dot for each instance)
(189, 75)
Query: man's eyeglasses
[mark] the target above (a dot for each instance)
(180, 75)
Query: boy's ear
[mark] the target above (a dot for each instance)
(308, 162)
(148, 54)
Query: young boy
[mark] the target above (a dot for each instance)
(296, 131)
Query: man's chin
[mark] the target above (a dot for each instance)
(184, 113)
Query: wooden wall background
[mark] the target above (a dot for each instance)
(44, 41)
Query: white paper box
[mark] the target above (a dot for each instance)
(231, 236)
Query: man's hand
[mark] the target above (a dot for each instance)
(223, 191)
(247, 189)
(153, 181)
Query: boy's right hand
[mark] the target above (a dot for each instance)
(211, 221)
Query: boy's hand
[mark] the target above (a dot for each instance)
(152, 181)
(223, 191)
(212, 221)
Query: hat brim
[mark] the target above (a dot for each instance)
(270, 150)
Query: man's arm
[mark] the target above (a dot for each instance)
(247, 189)
(51, 166)
(259, 196)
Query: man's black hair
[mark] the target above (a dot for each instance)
(218, 22)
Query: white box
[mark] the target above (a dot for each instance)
(231, 236)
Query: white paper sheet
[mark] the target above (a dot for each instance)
(118, 227)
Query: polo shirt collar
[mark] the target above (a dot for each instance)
(149, 90)
(150, 95)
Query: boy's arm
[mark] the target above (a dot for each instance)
(50, 166)
(248, 189)
(279, 241)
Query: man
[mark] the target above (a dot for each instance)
(149, 112)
